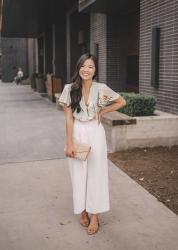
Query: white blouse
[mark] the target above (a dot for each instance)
(100, 95)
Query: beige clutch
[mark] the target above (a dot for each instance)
(81, 151)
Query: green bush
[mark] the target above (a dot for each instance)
(138, 104)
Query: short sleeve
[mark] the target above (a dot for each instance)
(65, 96)
(106, 95)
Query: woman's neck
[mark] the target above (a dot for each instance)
(87, 84)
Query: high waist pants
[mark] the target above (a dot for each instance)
(90, 177)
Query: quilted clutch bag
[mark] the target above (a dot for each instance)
(81, 151)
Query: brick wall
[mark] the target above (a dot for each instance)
(98, 28)
(110, 32)
(116, 51)
(161, 13)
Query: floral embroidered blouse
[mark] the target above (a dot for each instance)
(100, 95)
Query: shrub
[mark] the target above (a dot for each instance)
(138, 104)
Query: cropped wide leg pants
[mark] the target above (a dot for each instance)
(90, 177)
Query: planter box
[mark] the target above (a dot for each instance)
(33, 81)
(40, 85)
(138, 132)
(54, 85)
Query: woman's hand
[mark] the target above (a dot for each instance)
(100, 113)
(70, 151)
(117, 104)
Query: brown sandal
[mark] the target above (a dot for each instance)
(91, 232)
(85, 222)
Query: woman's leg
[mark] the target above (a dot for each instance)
(97, 176)
(90, 178)
(78, 173)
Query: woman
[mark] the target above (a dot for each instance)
(85, 101)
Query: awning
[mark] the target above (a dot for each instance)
(27, 18)
(108, 6)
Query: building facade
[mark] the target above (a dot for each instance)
(163, 15)
(136, 41)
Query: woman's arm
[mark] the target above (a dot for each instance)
(69, 131)
(117, 104)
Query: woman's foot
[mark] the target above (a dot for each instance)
(84, 219)
(94, 225)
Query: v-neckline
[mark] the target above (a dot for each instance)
(87, 103)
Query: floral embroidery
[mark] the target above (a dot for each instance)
(104, 99)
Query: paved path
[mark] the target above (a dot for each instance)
(36, 194)
(30, 126)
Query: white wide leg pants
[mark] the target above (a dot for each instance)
(90, 177)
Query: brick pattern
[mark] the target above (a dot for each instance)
(164, 14)
(98, 35)
(116, 52)
(114, 46)
(113, 49)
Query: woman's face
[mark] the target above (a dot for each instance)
(87, 70)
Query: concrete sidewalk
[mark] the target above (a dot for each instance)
(30, 126)
(36, 198)
(36, 210)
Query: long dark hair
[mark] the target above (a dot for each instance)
(76, 89)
